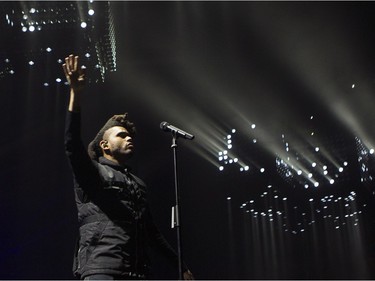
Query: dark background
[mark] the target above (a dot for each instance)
(207, 67)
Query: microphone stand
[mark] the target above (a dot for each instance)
(176, 211)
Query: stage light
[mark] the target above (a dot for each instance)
(32, 10)
(221, 168)
(353, 86)
(45, 84)
(254, 140)
(262, 170)
(341, 169)
(345, 163)
(331, 181)
(87, 55)
(24, 29)
(233, 131)
(229, 198)
(246, 168)
(371, 151)
(325, 173)
(58, 80)
(91, 12)
(59, 61)
(48, 49)
(31, 62)
(310, 175)
(31, 28)
(229, 146)
(313, 164)
(311, 200)
(316, 184)
(299, 172)
(253, 126)
(229, 137)
(11, 71)
(316, 149)
(83, 24)
(306, 186)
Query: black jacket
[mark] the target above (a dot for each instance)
(116, 226)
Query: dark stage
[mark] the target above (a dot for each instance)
(279, 180)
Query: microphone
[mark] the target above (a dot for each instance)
(165, 126)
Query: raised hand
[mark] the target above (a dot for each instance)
(74, 74)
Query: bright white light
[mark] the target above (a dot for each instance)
(220, 153)
(59, 61)
(31, 62)
(316, 149)
(87, 55)
(331, 181)
(311, 200)
(229, 198)
(230, 161)
(46, 84)
(225, 157)
(353, 86)
(32, 10)
(299, 172)
(220, 158)
(241, 169)
(58, 80)
(91, 12)
(24, 17)
(31, 28)
(246, 168)
(233, 131)
(312, 133)
(262, 170)
(371, 151)
(221, 168)
(341, 169)
(235, 160)
(24, 29)
(284, 199)
(83, 24)
(310, 175)
(11, 71)
(229, 137)
(313, 164)
(229, 146)
(306, 186)
(325, 173)
(324, 167)
(316, 184)
(345, 163)
(253, 126)
(48, 49)
(254, 140)
(311, 117)
(225, 152)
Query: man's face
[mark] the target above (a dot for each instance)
(119, 142)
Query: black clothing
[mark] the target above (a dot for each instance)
(116, 226)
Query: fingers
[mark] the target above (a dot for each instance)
(71, 64)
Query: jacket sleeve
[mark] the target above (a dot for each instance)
(85, 172)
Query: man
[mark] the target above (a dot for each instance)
(116, 226)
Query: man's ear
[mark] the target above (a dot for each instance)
(103, 144)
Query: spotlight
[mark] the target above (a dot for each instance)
(87, 55)
(233, 131)
(299, 172)
(31, 28)
(46, 84)
(32, 10)
(262, 170)
(229, 198)
(58, 80)
(331, 181)
(229, 137)
(253, 126)
(316, 184)
(341, 169)
(91, 12)
(24, 29)
(371, 151)
(313, 164)
(345, 163)
(316, 149)
(48, 49)
(31, 62)
(246, 168)
(83, 24)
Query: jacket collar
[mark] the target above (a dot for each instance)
(105, 161)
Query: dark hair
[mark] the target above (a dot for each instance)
(94, 148)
